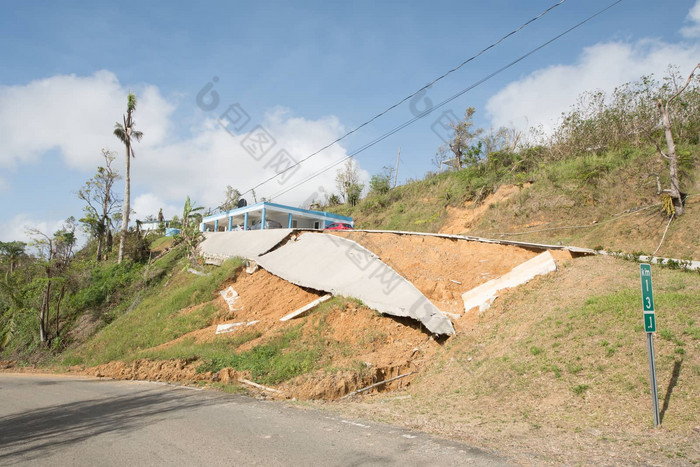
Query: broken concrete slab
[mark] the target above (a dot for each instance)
(229, 327)
(251, 266)
(343, 267)
(230, 296)
(198, 273)
(483, 295)
(219, 246)
(306, 308)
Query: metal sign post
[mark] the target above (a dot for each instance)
(650, 328)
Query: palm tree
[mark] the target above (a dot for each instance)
(125, 132)
(13, 252)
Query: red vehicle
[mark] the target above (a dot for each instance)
(339, 226)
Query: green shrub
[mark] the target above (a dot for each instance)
(105, 280)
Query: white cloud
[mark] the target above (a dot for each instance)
(17, 227)
(212, 158)
(693, 29)
(149, 204)
(541, 97)
(76, 115)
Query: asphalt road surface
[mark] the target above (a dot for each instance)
(62, 420)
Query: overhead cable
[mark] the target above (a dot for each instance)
(446, 101)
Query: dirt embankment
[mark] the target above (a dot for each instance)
(443, 269)
(360, 347)
(461, 220)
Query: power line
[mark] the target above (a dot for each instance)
(446, 101)
(514, 31)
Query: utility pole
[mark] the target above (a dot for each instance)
(396, 171)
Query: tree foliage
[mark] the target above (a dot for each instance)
(636, 114)
(55, 254)
(101, 203)
(347, 180)
(231, 199)
(464, 146)
(380, 183)
(12, 253)
(189, 231)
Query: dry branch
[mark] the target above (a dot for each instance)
(376, 384)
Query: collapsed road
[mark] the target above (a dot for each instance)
(331, 264)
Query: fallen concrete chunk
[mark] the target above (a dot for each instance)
(306, 308)
(259, 386)
(251, 266)
(229, 327)
(452, 315)
(230, 296)
(484, 295)
(197, 273)
(219, 246)
(224, 328)
(343, 267)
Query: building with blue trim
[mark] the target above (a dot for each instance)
(265, 214)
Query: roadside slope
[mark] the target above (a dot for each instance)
(557, 370)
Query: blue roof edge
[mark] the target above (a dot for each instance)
(253, 207)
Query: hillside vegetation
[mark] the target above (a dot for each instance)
(601, 201)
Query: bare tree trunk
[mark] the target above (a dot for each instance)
(103, 222)
(674, 191)
(458, 156)
(98, 255)
(109, 242)
(127, 199)
(58, 307)
(44, 313)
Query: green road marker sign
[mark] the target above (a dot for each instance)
(650, 328)
(647, 298)
(650, 322)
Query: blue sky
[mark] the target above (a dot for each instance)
(306, 72)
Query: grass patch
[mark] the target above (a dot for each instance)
(157, 318)
(188, 349)
(552, 368)
(161, 243)
(693, 332)
(580, 389)
(279, 359)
